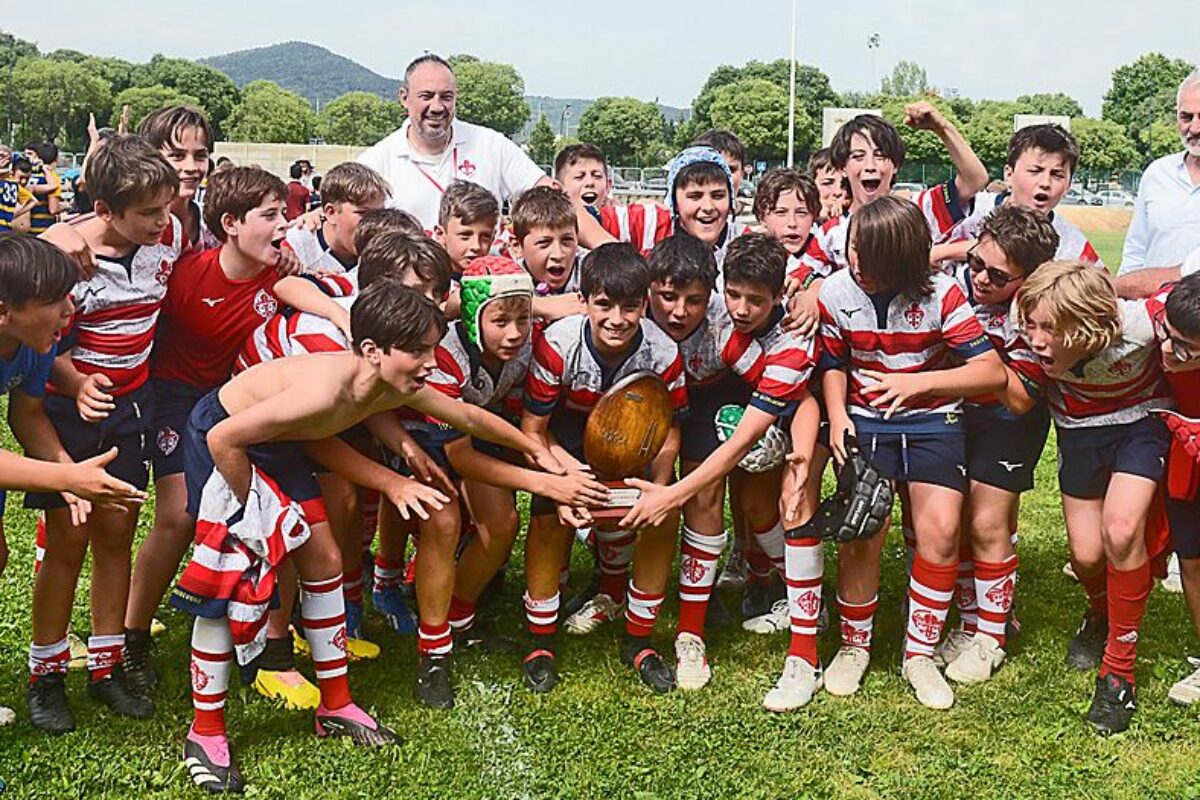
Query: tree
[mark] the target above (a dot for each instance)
(1057, 104)
(56, 96)
(989, 129)
(13, 49)
(214, 89)
(626, 129)
(757, 111)
(359, 118)
(813, 90)
(1144, 92)
(1103, 145)
(490, 94)
(920, 147)
(144, 99)
(1160, 140)
(908, 79)
(542, 142)
(269, 113)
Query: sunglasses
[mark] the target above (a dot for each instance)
(996, 277)
(1180, 349)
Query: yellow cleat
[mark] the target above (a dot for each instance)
(356, 649)
(299, 643)
(290, 688)
(79, 652)
(157, 628)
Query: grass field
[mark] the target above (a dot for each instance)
(601, 734)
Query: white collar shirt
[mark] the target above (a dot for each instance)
(1166, 217)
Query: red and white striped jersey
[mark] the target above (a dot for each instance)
(567, 372)
(893, 333)
(1073, 245)
(344, 284)
(291, 334)
(646, 224)
(999, 324)
(312, 250)
(460, 375)
(716, 347)
(788, 362)
(812, 261)
(1120, 384)
(116, 312)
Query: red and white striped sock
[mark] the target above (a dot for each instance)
(930, 590)
(388, 574)
(805, 561)
(434, 640)
(462, 613)
(697, 573)
(49, 659)
(770, 541)
(541, 616)
(965, 598)
(857, 622)
(352, 585)
(39, 540)
(614, 550)
(994, 585)
(212, 661)
(323, 615)
(641, 611)
(104, 654)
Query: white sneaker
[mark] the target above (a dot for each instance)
(594, 613)
(733, 574)
(950, 648)
(1069, 571)
(691, 664)
(7, 716)
(1187, 691)
(1173, 583)
(795, 687)
(931, 688)
(776, 620)
(843, 676)
(976, 663)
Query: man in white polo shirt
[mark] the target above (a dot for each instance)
(432, 148)
(1166, 217)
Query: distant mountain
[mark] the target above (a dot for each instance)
(321, 75)
(306, 69)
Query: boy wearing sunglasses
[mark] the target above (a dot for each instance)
(1005, 436)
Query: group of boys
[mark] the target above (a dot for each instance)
(357, 414)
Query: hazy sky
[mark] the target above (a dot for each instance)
(663, 48)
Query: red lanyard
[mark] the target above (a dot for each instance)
(433, 180)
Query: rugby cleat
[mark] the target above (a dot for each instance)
(929, 684)
(288, 687)
(538, 671)
(733, 574)
(48, 707)
(1086, 648)
(953, 645)
(389, 602)
(595, 612)
(777, 619)
(691, 663)
(1113, 705)
(844, 675)
(653, 671)
(352, 723)
(433, 686)
(795, 687)
(356, 649)
(7, 716)
(139, 672)
(210, 764)
(1185, 692)
(115, 692)
(976, 663)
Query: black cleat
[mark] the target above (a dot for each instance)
(1086, 649)
(115, 693)
(654, 672)
(717, 616)
(1113, 705)
(48, 707)
(756, 599)
(433, 682)
(139, 672)
(539, 672)
(210, 765)
(356, 725)
(483, 635)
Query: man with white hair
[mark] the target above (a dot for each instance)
(1166, 218)
(432, 149)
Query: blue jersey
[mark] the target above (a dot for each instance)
(27, 370)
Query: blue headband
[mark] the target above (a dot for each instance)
(694, 155)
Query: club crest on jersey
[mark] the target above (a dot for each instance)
(466, 168)
(695, 363)
(997, 319)
(914, 314)
(693, 569)
(265, 304)
(164, 272)
(167, 440)
(808, 604)
(927, 624)
(1121, 367)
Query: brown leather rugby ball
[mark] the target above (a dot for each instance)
(628, 426)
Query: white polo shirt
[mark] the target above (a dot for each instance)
(1166, 217)
(476, 154)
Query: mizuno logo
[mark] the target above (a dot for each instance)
(850, 312)
(211, 302)
(1009, 466)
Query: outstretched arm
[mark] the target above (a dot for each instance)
(972, 175)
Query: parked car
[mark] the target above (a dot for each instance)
(1115, 197)
(911, 188)
(656, 184)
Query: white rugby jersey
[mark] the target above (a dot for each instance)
(1118, 385)
(567, 372)
(1072, 244)
(460, 374)
(313, 251)
(897, 334)
(116, 312)
(291, 334)
(716, 347)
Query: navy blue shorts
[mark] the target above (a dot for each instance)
(1088, 457)
(919, 457)
(698, 433)
(173, 401)
(431, 438)
(1184, 516)
(1003, 448)
(286, 462)
(129, 427)
(3, 502)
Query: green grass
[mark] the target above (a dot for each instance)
(601, 734)
(1108, 244)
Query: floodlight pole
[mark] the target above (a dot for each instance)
(792, 95)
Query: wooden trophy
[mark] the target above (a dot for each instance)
(624, 433)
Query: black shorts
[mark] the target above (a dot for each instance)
(286, 462)
(129, 427)
(1003, 448)
(919, 457)
(173, 404)
(698, 433)
(1184, 516)
(1088, 457)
